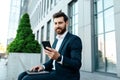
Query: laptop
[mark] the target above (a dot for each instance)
(37, 72)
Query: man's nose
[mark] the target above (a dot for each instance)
(57, 25)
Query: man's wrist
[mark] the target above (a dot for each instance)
(59, 58)
(43, 66)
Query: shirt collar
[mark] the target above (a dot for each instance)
(61, 36)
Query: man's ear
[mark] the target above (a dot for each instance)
(67, 22)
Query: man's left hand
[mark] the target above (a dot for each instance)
(52, 53)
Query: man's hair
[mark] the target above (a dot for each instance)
(60, 14)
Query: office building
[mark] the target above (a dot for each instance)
(96, 22)
(13, 20)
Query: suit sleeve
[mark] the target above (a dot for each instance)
(48, 65)
(74, 61)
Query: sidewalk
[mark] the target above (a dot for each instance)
(3, 69)
(96, 76)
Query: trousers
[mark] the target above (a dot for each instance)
(46, 76)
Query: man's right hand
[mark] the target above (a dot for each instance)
(37, 68)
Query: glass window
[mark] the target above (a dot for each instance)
(51, 2)
(47, 3)
(110, 52)
(99, 5)
(42, 33)
(44, 6)
(109, 20)
(48, 35)
(48, 30)
(105, 60)
(100, 62)
(73, 15)
(14, 17)
(73, 20)
(76, 8)
(42, 37)
(76, 19)
(38, 35)
(108, 3)
(100, 23)
(54, 2)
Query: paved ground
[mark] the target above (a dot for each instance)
(97, 76)
(3, 69)
(84, 75)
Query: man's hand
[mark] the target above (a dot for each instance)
(52, 53)
(37, 68)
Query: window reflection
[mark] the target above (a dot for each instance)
(109, 20)
(100, 55)
(99, 5)
(110, 52)
(108, 3)
(48, 30)
(76, 19)
(73, 16)
(105, 32)
(100, 23)
(76, 7)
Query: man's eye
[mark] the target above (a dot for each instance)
(60, 22)
(55, 23)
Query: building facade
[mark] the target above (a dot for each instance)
(13, 19)
(96, 22)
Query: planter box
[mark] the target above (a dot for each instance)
(19, 62)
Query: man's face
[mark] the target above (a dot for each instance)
(60, 25)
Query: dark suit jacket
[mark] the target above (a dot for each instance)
(70, 48)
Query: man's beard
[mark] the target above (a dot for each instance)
(60, 31)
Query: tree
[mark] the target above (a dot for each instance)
(25, 39)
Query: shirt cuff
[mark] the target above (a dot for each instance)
(43, 67)
(61, 60)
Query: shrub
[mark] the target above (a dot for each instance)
(25, 40)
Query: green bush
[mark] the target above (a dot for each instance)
(24, 41)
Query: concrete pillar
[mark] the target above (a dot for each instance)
(85, 33)
(117, 28)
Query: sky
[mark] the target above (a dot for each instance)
(4, 20)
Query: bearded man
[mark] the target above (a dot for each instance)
(65, 55)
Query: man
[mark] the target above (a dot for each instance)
(65, 56)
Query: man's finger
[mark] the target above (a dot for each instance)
(49, 49)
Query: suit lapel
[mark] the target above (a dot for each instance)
(54, 44)
(64, 41)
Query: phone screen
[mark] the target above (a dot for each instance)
(46, 44)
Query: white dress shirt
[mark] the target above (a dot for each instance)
(60, 40)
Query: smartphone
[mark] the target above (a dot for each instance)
(46, 44)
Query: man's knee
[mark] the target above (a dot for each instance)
(26, 78)
(20, 77)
